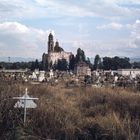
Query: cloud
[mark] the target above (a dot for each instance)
(127, 46)
(13, 27)
(111, 48)
(21, 41)
(18, 39)
(112, 9)
(112, 25)
(135, 36)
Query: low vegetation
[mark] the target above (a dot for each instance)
(84, 113)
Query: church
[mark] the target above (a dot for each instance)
(55, 53)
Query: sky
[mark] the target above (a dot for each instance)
(104, 27)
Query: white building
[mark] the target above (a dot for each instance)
(55, 52)
(54, 56)
(129, 72)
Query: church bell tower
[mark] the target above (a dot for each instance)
(50, 43)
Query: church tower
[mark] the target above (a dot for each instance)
(50, 43)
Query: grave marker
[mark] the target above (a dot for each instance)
(25, 102)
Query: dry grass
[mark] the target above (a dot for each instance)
(71, 114)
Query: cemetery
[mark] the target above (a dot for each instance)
(77, 104)
(64, 106)
(66, 97)
(69, 70)
(97, 78)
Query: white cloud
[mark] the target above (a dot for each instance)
(109, 48)
(21, 41)
(13, 27)
(135, 36)
(111, 9)
(112, 25)
(127, 46)
(17, 39)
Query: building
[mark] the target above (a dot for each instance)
(82, 69)
(55, 52)
(14, 70)
(128, 72)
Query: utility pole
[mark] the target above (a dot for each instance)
(9, 59)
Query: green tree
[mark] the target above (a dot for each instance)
(32, 66)
(97, 62)
(80, 56)
(136, 65)
(62, 65)
(44, 65)
(106, 63)
(72, 62)
(89, 63)
(36, 64)
(14, 66)
(116, 63)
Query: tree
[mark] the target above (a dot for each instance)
(14, 66)
(72, 62)
(33, 66)
(89, 63)
(107, 62)
(36, 64)
(136, 65)
(116, 63)
(97, 62)
(80, 56)
(62, 65)
(44, 65)
(21, 65)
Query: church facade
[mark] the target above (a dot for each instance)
(55, 52)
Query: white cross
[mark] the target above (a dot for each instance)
(25, 102)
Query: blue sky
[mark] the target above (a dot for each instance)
(104, 27)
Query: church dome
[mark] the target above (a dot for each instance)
(57, 43)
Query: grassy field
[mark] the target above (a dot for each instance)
(84, 113)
